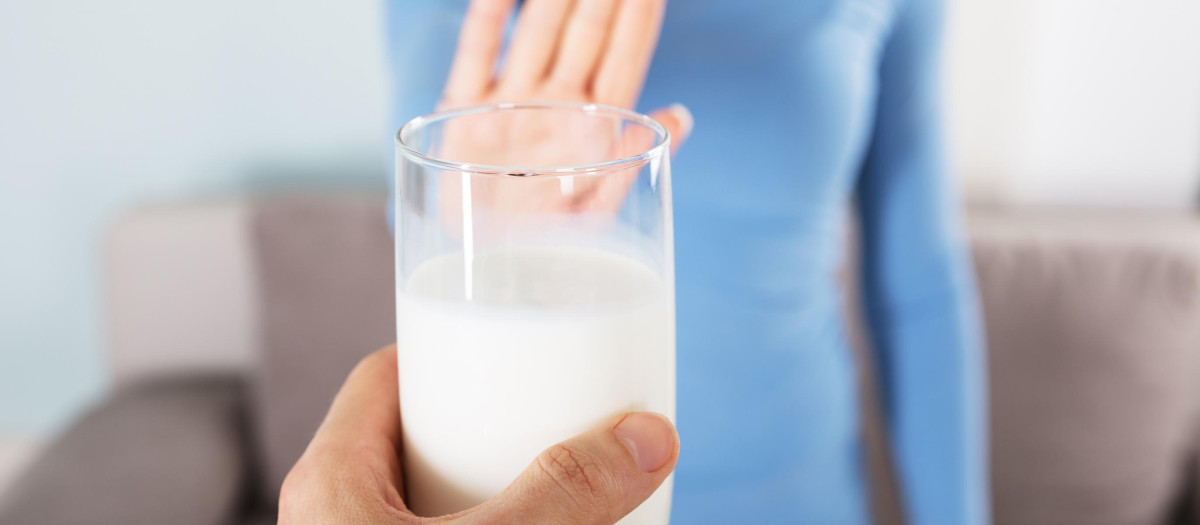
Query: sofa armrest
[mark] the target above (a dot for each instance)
(1186, 508)
(166, 452)
(1093, 326)
(180, 288)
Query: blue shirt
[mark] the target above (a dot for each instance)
(805, 110)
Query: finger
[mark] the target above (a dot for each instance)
(610, 190)
(630, 48)
(351, 468)
(367, 405)
(478, 46)
(534, 41)
(582, 42)
(596, 477)
(679, 123)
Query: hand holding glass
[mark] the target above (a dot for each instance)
(535, 290)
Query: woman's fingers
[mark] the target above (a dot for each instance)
(630, 47)
(571, 43)
(609, 191)
(679, 123)
(535, 39)
(582, 43)
(479, 43)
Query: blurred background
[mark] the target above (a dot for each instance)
(104, 107)
(107, 108)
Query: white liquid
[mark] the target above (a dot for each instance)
(553, 342)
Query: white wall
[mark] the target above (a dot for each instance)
(1077, 102)
(104, 104)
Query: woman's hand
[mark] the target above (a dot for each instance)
(594, 51)
(586, 51)
(351, 472)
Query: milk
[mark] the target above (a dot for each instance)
(552, 342)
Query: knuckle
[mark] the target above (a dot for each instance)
(611, 94)
(322, 489)
(576, 473)
(297, 490)
(563, 85)
(596, 15)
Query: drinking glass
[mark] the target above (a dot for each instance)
(535, 290)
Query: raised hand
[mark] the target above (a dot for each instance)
(585, 51)
(593, 51)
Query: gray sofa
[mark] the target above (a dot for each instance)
(232, 323)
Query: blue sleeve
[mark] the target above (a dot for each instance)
(918, 286)
(421, 37)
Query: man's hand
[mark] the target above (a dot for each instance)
(351, 472)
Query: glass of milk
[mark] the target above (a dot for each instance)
(535, 290)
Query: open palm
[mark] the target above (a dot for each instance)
(583, 51)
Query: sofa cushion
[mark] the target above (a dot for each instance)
(328, 300)
(1093, 331)
(164, 452)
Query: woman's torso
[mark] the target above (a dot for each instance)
(782, 93)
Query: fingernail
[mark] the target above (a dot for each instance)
(649, 437)
(686, 121)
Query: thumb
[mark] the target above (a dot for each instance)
(594, 478)
(678, 121)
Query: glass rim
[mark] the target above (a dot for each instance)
(426, 159)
